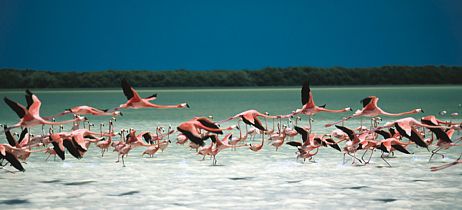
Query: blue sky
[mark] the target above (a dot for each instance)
(88, 35)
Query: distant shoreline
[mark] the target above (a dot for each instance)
(267, 77)
(234, 88)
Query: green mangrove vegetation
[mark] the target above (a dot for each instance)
(290, 76)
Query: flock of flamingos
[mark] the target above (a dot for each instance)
(359, 143)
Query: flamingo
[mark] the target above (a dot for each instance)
(30, 116)
(278, 139)
(306, 146)
(257, 147)
(7, 153)
(59, 143)
(104, 144)
(353, 145)
(309, 108)
(181, 139)
(388, 145)
(22, 141)
(370, 109)
(88, 110)
(220, 145)
(151, 150)
(205, 150)
(191, 129)
(123, 152)
(136, 102)
(249, 117)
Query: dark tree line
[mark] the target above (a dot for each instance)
(291, 76)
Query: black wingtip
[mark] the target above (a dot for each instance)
(366, 101)
(294, 143)
(187, 105)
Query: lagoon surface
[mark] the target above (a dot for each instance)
(269, 179)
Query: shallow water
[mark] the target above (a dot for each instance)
(178, 179)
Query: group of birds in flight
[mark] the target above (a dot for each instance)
(389, 138)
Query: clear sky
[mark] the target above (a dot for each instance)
(89, 35)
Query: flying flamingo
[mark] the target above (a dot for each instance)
(309, 108)
(353, 145)
(307, 145)
(136, 102)
(220, 145)
(388, 145)
(370, 109)
(30, 116)
(88, 110)
(12, 140)
(191, 129)
(7, 153)
(249, 117)
(59, 143)
(445, 142)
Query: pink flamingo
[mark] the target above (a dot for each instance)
(136, 102)
(59, 143)
(389, 145)
(191, 129)
(123, 152)
(307, 145)
(249, 117)
(220, 145)
(181, 139)
(370, 109)
(30, 116)
(7, 153)
(205, 150)
(407, 128)
(88, 110)
(257, 147)
(309, 108)
(278, 139)
(151, 150)
(105, 144)
(353, 145)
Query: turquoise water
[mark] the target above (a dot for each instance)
(177, 179)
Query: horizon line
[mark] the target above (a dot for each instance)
(242, 69)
